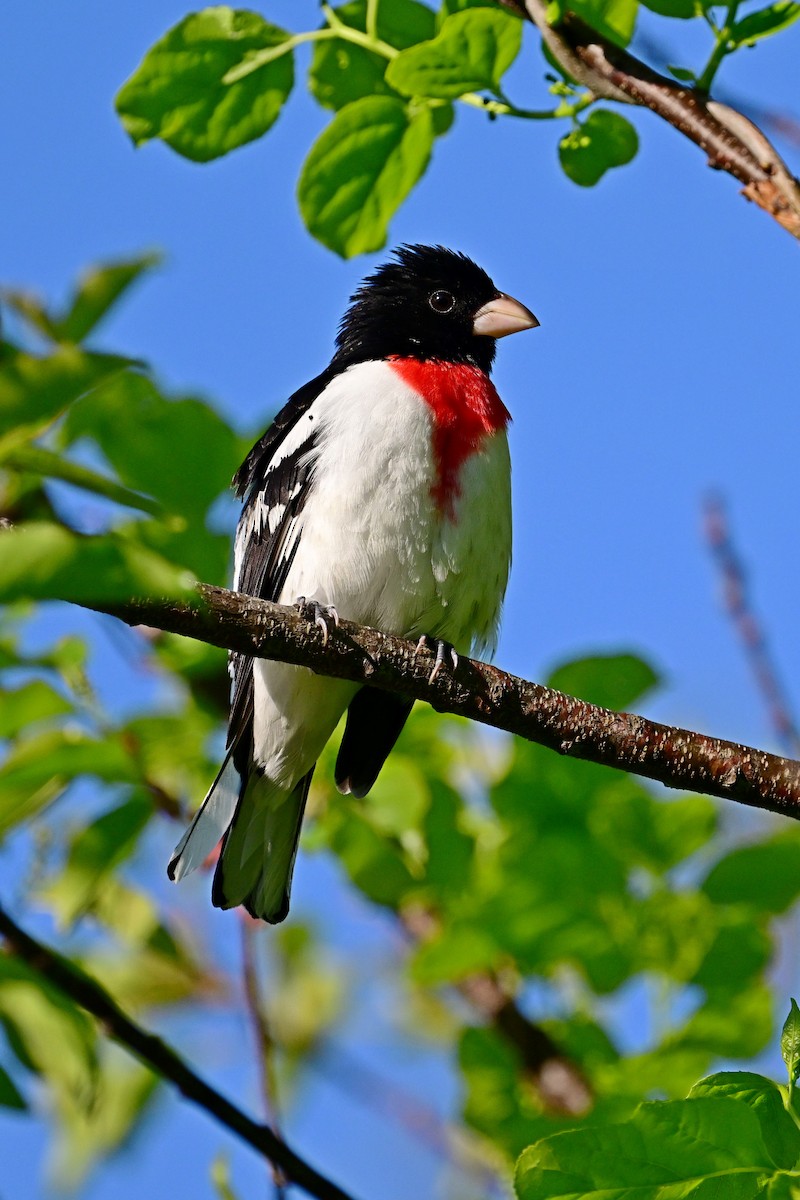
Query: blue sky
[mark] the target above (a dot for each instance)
(665, 366)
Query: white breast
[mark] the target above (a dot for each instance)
(372, 541)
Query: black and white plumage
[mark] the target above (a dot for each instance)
(382, 488)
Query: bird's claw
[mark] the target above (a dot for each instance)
(318, 614)
(444, 654)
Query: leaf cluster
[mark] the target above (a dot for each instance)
(393, 73)
(737, 1134)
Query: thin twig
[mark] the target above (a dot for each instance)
(265, 1046)
(678, 758)
(416, 1118)
(161, 1058)
(751, 633)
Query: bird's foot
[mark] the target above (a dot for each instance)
(318, 614)
(444, 654)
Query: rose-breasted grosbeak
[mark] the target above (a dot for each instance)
(382, 493)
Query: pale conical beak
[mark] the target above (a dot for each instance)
(502, 316)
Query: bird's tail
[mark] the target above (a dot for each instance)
(260, 828)
(258, 852)
(210, 821)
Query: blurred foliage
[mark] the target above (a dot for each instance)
(586, 894)
(392, 72)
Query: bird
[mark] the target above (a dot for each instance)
(380, 494)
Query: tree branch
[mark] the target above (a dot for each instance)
(732, 142)
(161, 1058)
(675, 757)
(562, 1087)
(262, 1036)
(736, 594)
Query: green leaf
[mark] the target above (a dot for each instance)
(341, 72)
(38, 769)
(10, 1097)
(676, 931)
(604, 140)
(98, 290)
(399, 799)
(216, 80)
(665, 1071)
(766, 21)
(684, 10)
(499, 1099)
(47, 1032)
(448, 7)
(730, 1023)
(494, 1102)
(460, 951)
(454, 6)
(31, 308)
(781, 1135)
(790, 1043)
(616, 19)
(19, 803)
(131, 914)
(609, 680)
(666, 1151)
(24, 706)
(39, 561)
(739, 952)
(172, 751)
(360, 170)
(94, 854)
(451, 850)
(683, 74)
(471, 53)
(221, 1178)
(36, 460)
(180, 451)
(766, 875)
(374, 863)
(123, 1094)
(302, 1011)
(151, 975)
(649, 831)
(35, 390)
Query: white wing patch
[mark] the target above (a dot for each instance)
(211, 820)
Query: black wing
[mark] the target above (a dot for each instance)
(275, 487)
(375, 720)
(254, 470)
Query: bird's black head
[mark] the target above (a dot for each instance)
(428, 303)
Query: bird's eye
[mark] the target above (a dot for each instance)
(442, 302)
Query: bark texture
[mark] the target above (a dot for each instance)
(731, 141)
(678, 758)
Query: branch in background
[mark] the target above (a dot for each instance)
(265, 1046)
(561, 1086)
(747, 624)
(675, 757)
(732, 142)
(782, 124)
(155, 1054)
(379, 1094)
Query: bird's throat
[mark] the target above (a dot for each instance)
(465, 409)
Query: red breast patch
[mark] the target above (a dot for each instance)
(465, 408)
